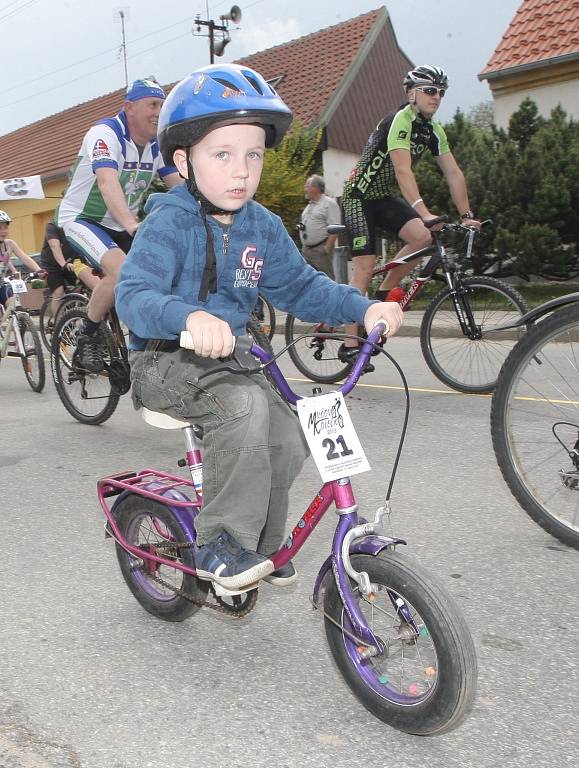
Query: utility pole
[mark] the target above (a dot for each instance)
(217, 47)
(123, 14)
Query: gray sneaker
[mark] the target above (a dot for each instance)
(90, 353)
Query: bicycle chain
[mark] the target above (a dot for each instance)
(232, 613)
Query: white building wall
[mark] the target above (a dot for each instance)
(545, 97)
(336, 169)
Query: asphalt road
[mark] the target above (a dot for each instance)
(88, 679)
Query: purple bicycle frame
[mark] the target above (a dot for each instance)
(165, 488)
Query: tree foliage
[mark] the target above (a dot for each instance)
(285, 171)
(524, 179)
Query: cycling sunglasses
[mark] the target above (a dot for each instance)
(431, 90)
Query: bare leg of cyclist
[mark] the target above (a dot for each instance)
(103, 295)
(101, 301)
(362, 267)
(55, 298)
(416, 236)
(88, 277)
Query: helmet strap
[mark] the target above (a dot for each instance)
(209, 277)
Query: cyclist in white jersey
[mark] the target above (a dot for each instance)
(8, 249)
(117, 162)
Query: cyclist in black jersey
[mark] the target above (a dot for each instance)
(382, 190)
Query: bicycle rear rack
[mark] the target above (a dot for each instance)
(150, 483)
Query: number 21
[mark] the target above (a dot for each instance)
(331, 446)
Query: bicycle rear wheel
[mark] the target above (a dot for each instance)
(314, 356)
(47, 322)
(424, 681)
(88, 397)
(535, 424)
(263, 317)
(152, 527)
(33, 360)
(465, 363)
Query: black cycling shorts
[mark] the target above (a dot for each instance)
(363, 217)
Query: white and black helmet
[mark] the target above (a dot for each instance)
(4, 218)
(426, 74)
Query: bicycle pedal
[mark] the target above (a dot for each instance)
(223, 592)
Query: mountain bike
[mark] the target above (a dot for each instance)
(535, 418)
(19, 337)
(90, 398)
(398, 639)
(462, 333)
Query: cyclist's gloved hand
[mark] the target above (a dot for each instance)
(211, 336)
(386, 312)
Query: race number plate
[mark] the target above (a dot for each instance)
(331, 436)
(18, 286)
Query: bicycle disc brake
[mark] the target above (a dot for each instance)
(119, 375)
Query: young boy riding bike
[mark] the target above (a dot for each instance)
(196, 264)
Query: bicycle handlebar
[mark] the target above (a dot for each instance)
(245, 351)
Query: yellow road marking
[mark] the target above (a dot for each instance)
(448, 392)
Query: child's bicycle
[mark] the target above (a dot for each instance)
(462, 333)
(19, 337)
(397, 637)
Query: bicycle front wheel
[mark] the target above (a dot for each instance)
(151, 527)
(33, 359)
(424, 681)
(314, 356)
(88, 397)
(535, 424)
(471, 363)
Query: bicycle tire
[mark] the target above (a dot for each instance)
(539, 387)
(67, 375)
(465, 364)
(267, 323)
(439, 659)
(68, 301)
(34, 352)
(315, 358)
(146, 523)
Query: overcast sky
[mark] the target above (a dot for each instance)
(56, 53)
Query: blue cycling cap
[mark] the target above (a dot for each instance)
(144, 89)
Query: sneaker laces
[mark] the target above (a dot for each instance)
(91, 350)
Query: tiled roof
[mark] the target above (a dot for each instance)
(311, 67)
(541, 30)
(50, 145)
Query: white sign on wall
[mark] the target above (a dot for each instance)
(22, 187)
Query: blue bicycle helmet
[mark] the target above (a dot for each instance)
(216, 95)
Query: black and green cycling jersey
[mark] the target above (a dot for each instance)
(373, 178)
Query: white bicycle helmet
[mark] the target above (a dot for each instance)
(426, 74)
(4, 218)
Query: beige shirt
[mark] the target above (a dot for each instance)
(316, 217)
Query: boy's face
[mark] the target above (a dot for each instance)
(3, 230)
(227, 164)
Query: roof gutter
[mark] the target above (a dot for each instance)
(529, 67)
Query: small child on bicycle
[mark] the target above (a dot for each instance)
(8, 249)
(196, 264)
